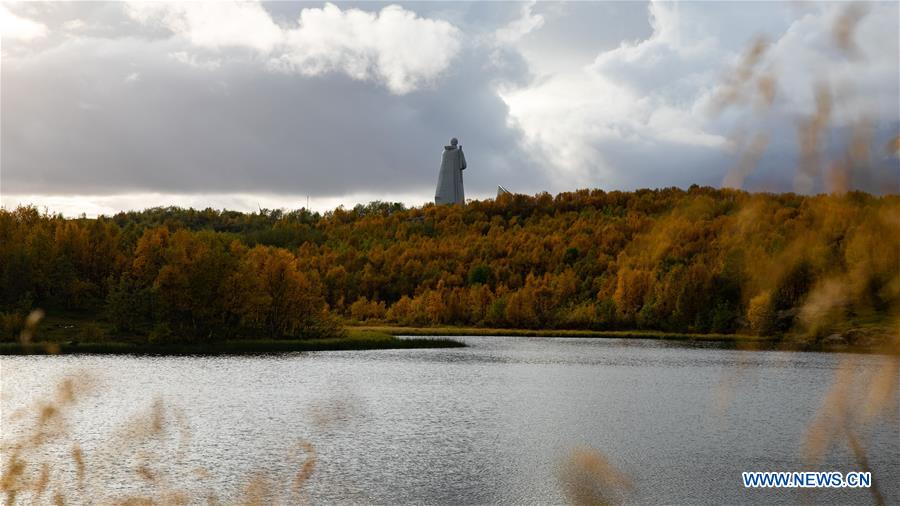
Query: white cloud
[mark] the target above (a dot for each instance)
(864, 85)
(558, 115)
(212, 24)
(527, 22)
(192, 60)
(395, 46)
(18, 27)
(73, 25)
(133, 77)
(622, 97)
(644, 100)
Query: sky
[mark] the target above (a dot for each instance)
(244, 105)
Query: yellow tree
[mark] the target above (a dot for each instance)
(273, 295)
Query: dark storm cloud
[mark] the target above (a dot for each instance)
(130, 116)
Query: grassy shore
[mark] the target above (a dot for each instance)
(618, 334)
(71, 334)
(356, 339)
(883, 343)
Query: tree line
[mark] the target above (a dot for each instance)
(696, 260)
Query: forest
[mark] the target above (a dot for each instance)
(698, 260)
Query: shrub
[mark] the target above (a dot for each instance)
(91, 333)
(364, 309)
(481, 275)
(162, 334)
(11, 325)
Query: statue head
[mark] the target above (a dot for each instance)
(454, 141)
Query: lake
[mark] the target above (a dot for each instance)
(490, 423)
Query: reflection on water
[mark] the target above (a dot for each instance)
(490, 423)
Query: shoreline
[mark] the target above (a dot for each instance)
(356, 340)
(386, 337)
(396, 330)
(738, 341)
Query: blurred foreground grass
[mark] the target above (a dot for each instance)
(141, 462)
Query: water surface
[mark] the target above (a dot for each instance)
(485, 424)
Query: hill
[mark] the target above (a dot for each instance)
(698, 260)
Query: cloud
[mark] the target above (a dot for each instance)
(186, 127)
(338, 102)
(638, 94)
(527, 22)
(95, 205)
(394, 47)
(212, 24)
(73, 25)
(17, 27)
(649, 103)
(192, 60)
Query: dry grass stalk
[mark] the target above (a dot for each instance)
(735, 84)
(22, 472)
(145, 439)
(844, 411)
(809, 136)
(258, 491)
(589, 478)
(766, 86)
(893, 146)
(306, 468)
(843, 30)
(748, 161)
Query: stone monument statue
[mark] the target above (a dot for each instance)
(450, 180)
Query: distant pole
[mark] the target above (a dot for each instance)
(307, 202)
